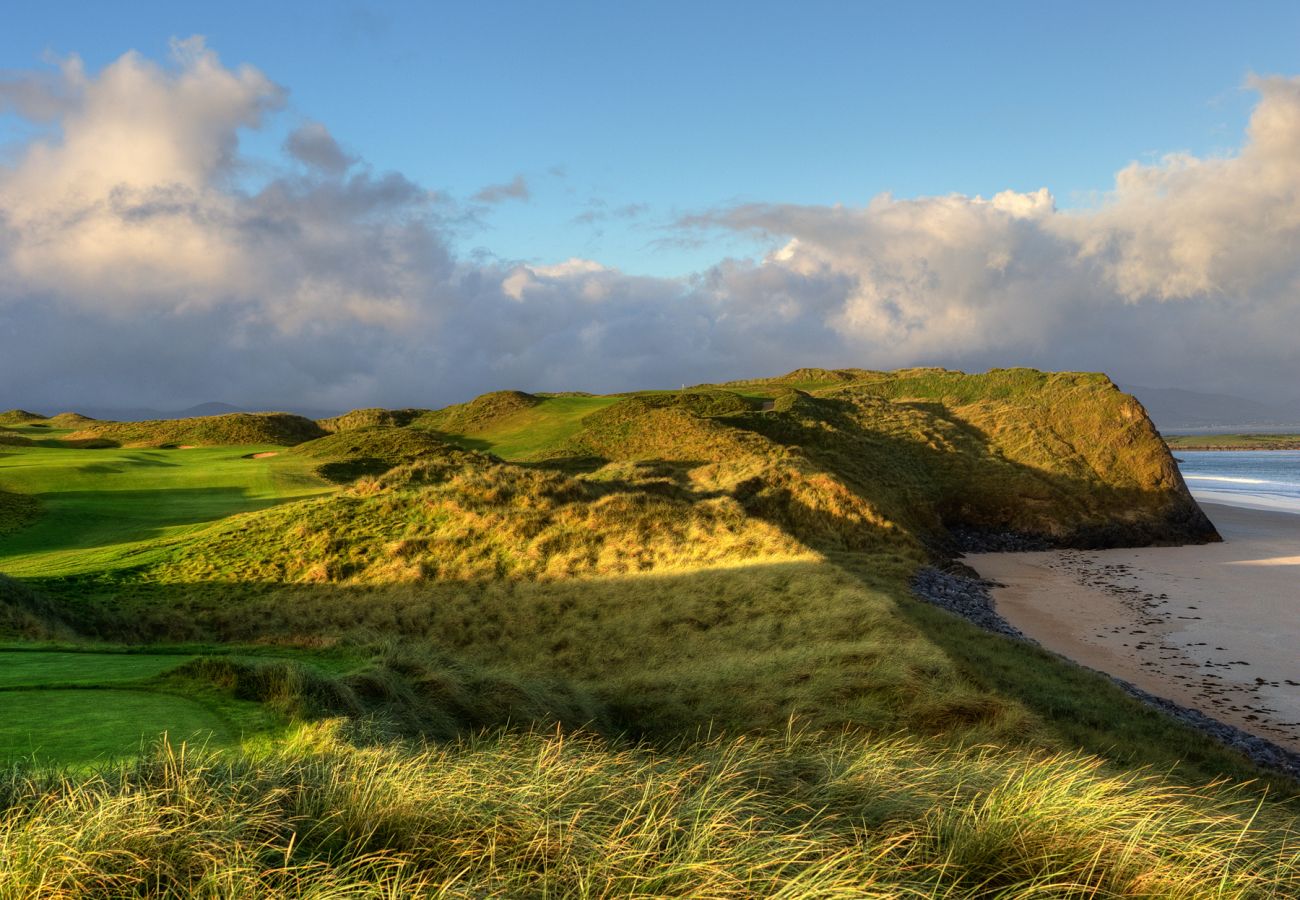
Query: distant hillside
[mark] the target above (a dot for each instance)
(1234, 442)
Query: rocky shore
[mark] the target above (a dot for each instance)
(971, 597)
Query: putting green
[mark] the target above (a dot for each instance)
(106, 509)
(82, 726)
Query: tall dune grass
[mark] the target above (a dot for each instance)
(555, 815)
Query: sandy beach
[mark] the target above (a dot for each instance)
(1213, 627)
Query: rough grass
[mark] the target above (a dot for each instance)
(17, 511)
(366, 418)
(479, 414)
(19, 417)
(371, 450)
(477, 521)
(570, 815)
(283, 429)
(71, 420)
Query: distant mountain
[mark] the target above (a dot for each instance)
(1175, 409)
(207, 409)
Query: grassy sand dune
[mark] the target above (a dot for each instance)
(281, 429)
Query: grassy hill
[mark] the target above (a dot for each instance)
(350, 453)
(366, 418)
(283, 429)
(685, 618)
(19, 417)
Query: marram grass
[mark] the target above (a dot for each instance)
(555, 815)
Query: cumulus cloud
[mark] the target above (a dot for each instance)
(515, 189)
(138, 268)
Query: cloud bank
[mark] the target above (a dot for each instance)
(137, 267)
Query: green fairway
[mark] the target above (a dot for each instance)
(82, 726)
(40, 668)
(104, 509)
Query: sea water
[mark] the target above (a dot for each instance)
(1257, 479)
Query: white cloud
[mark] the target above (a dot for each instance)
(135, 270)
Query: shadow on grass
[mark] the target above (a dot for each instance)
(92, 520)
(828, 644)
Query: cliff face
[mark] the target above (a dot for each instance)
(1066, 459)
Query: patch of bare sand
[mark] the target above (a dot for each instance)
(265, 454)
(1215, 627)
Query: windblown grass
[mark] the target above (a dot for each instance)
(510, 815)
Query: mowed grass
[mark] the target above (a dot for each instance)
(82, 725)
(108, 508)
(44, 668)
(535, 430)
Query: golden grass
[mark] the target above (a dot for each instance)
(569, 815)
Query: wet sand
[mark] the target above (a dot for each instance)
(1214, 627)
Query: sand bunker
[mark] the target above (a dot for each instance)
(265, 454)
(1213, 627)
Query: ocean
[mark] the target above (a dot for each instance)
(1256, 479)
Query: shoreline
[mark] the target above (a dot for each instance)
(1211, 627)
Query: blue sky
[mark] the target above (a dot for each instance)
(623, 116)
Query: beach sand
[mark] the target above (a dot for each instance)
(1214, 627)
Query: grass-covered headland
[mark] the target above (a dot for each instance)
(651, 644)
